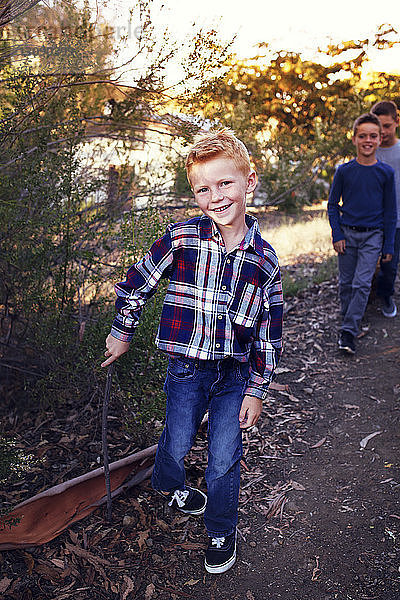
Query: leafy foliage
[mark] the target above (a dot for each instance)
(66, 221)
(295, 114)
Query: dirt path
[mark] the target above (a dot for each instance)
(339, 534)
(318, 521)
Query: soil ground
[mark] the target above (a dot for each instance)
(319, 513)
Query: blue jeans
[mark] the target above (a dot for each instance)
(388, 271)
(193, 387)
(356, 269)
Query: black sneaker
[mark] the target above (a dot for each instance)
(346, 342)
(389, 309)
(189, 501)
(221, 553)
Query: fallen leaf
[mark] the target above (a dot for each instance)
(30, 563)
(191, 546)
(162, 524)
(297, 486)
(58, 562)
(355, 406)
(92, 558)
(149, 591)
(4, 584)
(142, 514)
(191, 582)
(316, 571)
(319, 443)
(278, 386)
(49, 573)
(365, 440)
(142, 537)
(127, 587)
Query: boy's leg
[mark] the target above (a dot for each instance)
(369, 249)
(224, 448)
(388, 271)
(347, 263)
(187, 400)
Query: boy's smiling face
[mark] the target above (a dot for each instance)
(367, 139)
(220, 189)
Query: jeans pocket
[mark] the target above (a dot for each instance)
(182, 369)
(242, 371)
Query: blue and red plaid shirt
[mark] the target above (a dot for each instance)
(217, 304)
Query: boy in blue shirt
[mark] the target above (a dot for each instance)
(221, 325)
(363, 226)
(389, 152)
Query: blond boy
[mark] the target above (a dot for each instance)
(220, 325)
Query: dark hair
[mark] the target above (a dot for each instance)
(385, 107)
(366, 118)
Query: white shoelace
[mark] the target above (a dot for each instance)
(218, 541)
(180, 497)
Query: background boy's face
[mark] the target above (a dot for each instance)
(367, 139)
(389, 126)
(220, 189)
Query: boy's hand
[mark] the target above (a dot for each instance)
(340, 246)
(250, 411)
(386, 257)
(115, 348)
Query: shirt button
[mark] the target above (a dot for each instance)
(218, 345)
(220, 317)
(223, 288)
(228, 262)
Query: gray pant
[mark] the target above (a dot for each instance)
(356, 269)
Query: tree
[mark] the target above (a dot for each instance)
(59, 237)
(295, 114)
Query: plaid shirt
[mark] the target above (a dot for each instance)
(217, 304)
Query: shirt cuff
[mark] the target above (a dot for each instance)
(255, 390)
(123, 336)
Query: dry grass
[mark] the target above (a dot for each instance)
(306, 234)
(304, 247)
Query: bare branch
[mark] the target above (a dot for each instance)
(12, 9)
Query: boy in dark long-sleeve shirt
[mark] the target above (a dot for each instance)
(363, 226)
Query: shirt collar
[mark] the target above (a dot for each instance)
(253, 239)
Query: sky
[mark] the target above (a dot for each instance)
(292, 24)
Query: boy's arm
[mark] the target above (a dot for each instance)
(265, 353)
(141, 283)
(250, 411)
(334, 213)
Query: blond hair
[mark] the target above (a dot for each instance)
(220, 143)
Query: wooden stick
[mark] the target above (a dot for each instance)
(104, 440)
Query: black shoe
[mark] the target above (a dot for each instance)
(189, 501)
(221, 553)
(389, 309)
(346, 342)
